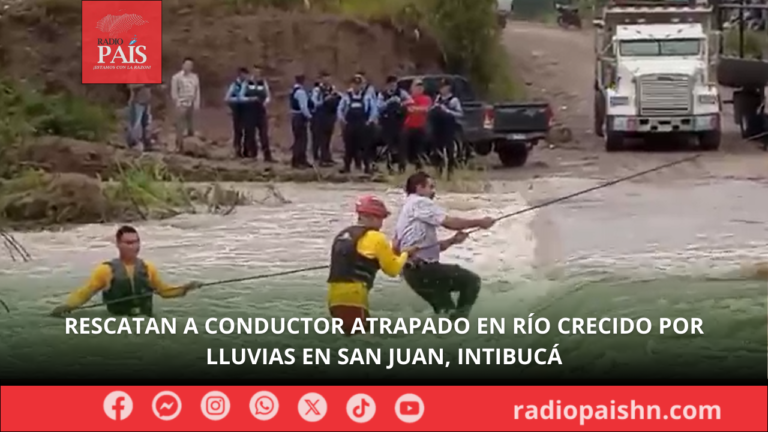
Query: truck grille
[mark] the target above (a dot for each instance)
(665, 94)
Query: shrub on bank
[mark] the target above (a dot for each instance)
(754, 43)
(25, 111)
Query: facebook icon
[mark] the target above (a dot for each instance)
(118, 405)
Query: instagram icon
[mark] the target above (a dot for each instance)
(215, 405)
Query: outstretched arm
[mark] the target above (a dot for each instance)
(98, 280)
(163, 289)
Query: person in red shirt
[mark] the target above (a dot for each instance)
(414, 141)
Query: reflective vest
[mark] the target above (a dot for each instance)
(294, 103)
(139, 290)
(347, 264)
(357, 112)
(256, 89)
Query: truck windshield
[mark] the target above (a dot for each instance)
(668, 47)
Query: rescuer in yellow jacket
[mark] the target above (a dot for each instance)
(127, 283)
(357, 254)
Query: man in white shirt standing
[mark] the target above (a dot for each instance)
(185, 93)
(417, 225)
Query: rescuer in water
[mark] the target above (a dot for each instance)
(358, 253)
(127, 277)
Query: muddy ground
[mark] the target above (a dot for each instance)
(557, 66)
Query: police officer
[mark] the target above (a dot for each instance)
(256, 96)
(234, 99)
(357, 113)
(444, 123)
(368, 88)
(391, 107)
(326, 102)
(301, 115)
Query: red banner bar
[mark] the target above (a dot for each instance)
(383, 408)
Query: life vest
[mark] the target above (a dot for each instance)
(347, 264)
(121, 287)
(256, 89)
(294, 103)
(357, 112)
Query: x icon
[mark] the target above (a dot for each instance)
(312, 407)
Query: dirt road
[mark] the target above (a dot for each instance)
(557, 66)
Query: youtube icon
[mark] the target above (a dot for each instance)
(409, 408)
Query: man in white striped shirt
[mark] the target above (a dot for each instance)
(185, 93)
(417, 225)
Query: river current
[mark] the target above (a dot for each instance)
(634, 249)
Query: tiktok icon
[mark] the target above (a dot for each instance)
(361, 408)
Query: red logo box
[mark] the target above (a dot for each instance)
(122, 42)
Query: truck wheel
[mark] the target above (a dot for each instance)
(512, 154)
(746, 105)
(709, 141)
(483, 148)
(614, 142)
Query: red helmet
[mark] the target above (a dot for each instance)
(371, 206)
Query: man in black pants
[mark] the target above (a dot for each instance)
(357, 114)
(301, 116)
(326, 101)
(444, 121)
(257, 96)
(417, 227)
(234, 98)
(391, 105)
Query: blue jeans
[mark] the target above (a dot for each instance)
(138, 124)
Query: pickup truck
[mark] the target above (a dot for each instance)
(510, 129)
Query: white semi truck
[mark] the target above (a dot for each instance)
(652, 72)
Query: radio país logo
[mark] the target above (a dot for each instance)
(122, 42)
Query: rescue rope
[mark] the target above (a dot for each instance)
(5, 306)
(592, 189)
(207, 284)
(505, 216)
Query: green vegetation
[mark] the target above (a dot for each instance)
(754, 43)
(466, 30)
(142, 189)
(26, 112)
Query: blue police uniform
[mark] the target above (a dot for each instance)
(357, 110)
(234, 99)
(392, 112)
(301, 114)
(326, 102)
(256, 94)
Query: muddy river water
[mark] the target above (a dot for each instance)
(631, 250)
